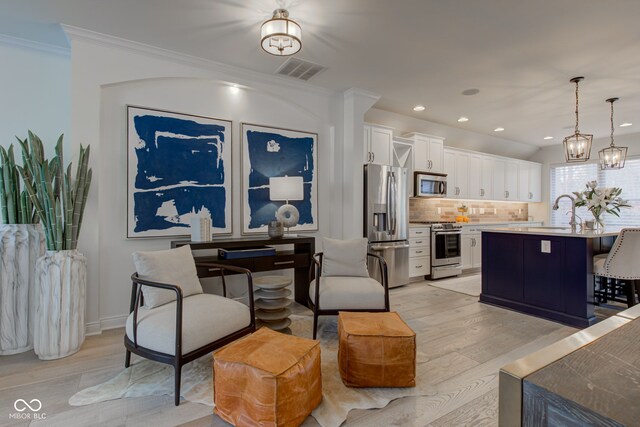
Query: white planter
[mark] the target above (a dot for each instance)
(20, 246)
(61, 278)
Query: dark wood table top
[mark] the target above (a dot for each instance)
(602, 377)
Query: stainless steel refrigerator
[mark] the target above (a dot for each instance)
(386, 220)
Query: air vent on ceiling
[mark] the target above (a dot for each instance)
(299, 69)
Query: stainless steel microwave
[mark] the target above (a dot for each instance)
(428, 184)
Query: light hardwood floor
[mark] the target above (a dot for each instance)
(465, 342)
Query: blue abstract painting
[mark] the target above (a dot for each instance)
(179, 168)
(271, 152)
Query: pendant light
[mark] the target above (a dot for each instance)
(280, 35)
(577, 147)
(612, 157)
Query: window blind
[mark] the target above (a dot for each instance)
(565, 179)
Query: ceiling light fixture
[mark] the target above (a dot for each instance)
(498, 129)
(419, 108)
(624, 125)
(463, 119)
(280, 35)
(548, 137)
(577, 147)
(612, 157)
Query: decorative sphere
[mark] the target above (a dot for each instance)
(288, 215)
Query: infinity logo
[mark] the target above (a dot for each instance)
(24, 405)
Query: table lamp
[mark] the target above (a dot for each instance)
(286, 188)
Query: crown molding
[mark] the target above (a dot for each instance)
(12, 41)
(75, 33)
(354, 91)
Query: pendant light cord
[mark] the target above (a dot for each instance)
(611, 124)
(577, 131)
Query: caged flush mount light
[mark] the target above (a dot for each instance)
(612, 157)
(577, 147)
(280, 35)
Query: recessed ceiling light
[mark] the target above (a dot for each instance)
(463, 119)
(548, 137)
(419, 108)
(234, 88)
(624, 125)
(470, 92)
(498, 129)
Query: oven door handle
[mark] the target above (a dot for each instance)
(448, 232)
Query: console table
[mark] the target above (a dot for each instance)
(299, 259)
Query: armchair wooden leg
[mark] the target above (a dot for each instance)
(631, 292)
(127, 359)
(177, 385)
(315, 323)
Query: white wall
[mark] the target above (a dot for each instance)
(555, 154)
(34, 88)
(454, 137)
(110, 73)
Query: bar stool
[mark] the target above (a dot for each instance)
(621, 264)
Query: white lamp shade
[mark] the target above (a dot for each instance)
(281, 36)
(286, 188)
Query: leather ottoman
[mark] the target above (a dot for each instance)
(376, 350)
(267, 379)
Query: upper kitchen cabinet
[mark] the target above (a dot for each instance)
(530, 182)
(480, 177)
(378, 144)
(428, 152)
(505, 179)
(456, 166)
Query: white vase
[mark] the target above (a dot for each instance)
(20, 247)
(61, 278)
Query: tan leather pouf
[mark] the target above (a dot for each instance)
(376, 350)
(267, 379)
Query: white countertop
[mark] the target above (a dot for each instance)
(478, 224)
(560, 232)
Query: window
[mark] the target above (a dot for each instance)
(567, 178)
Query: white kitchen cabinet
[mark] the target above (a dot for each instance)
(378, 145)
(436, 153)
(471, 251)
(419, 251)
(499, 179)
(428, 152)
(511, 180)
(456, 166)
(480, 177)
(530, 182)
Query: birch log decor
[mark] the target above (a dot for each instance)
(59, 201)
(21, 244)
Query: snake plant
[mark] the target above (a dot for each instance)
(58, 199)
(15, 204)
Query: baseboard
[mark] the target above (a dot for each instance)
(106, 323)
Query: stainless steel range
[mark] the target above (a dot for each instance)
(446, 250)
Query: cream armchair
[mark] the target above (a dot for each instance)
(342, 281)
(172, 321)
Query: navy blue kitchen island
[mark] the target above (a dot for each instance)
(543, 271)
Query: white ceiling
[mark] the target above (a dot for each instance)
(519, 54)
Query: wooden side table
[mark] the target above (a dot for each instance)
(300, 258)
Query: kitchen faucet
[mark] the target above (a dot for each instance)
(555, 207)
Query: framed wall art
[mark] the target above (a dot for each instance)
(179, 166)
(269, 152)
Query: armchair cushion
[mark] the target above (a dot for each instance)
(172, 266)
(348, 293)
(344, 257)
(205, 319)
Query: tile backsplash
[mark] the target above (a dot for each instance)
(479, 211)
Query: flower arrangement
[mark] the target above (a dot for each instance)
(601, 200)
